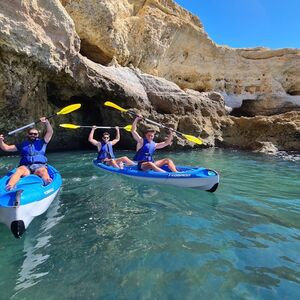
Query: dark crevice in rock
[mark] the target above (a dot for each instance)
(88, 114)
(201, 89)
(251, 108)
(293, 93)
(94, 53)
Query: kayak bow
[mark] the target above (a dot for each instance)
(29, 198)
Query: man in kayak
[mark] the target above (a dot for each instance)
(105, 150)
(146, 148)
(32, 151)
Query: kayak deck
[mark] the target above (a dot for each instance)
(189, 177)
(32, 188)
(30, 198)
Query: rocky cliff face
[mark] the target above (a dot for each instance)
(162, 39)
(120, 51)
(42, 71)
(265, 134)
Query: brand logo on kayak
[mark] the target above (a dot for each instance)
(49, 191)
(180, 175)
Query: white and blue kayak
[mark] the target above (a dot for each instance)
(30, 198)
(187, 177)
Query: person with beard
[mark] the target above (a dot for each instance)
(32, 152)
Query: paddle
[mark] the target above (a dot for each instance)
(66, 110)
(73, 126)
(190, 138)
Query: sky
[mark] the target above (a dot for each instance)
(249, 23)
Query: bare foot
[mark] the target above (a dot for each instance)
(9, 187)
(48, 180)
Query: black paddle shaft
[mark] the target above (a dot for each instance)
(155, 123)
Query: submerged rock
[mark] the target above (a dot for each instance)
(265, 147)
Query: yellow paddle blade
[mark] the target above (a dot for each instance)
(70, 126)
(68, 109)
(193, 139)
(128, 128)
(111, 104)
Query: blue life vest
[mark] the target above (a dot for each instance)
(146, 152)
(32, 152)
(106, 151)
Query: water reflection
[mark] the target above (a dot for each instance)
(35, 251)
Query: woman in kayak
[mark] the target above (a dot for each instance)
(32, 151)
(105, 150)
(146, 147)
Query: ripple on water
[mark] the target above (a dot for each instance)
(109, 237)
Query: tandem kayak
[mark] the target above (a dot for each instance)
(187, 177)
(30, 198)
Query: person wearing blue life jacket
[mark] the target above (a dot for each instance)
(146, 147)
(105, 150)
(32, 152)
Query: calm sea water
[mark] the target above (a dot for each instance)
(109, 237)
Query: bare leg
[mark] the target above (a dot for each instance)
(125, 160)
(20, 172)
(113, 163)
(43, 173)
(168, 162)
(151, 166)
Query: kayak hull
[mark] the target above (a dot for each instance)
(188, 177)
(30, 198)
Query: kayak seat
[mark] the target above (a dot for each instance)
(30, 179)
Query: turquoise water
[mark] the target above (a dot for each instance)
(109, 237)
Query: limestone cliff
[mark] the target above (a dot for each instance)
(257, 132)
(161, 38)
(120, 51)
(41, 70)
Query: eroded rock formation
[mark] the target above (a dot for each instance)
(161, 38)
(116, 52)
(42, 70)
(262, 133)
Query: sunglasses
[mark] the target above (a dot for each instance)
(33, 133)
(106, 137)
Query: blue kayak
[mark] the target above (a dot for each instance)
(30, 198)
(187, 177)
